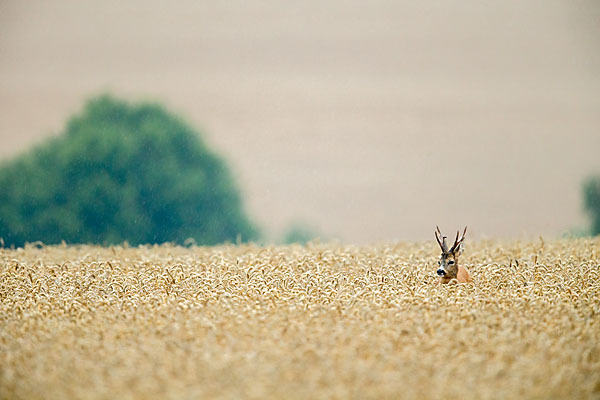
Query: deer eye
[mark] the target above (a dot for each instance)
(439, 263)
(450, 262)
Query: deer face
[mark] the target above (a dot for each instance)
(448, 263)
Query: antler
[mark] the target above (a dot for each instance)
(441, 242)
(457, 241)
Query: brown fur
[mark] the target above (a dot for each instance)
(449, 259)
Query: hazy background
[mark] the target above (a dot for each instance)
(368, 121)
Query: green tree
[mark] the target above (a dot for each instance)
(591, 195)
(121, 172)
(299, 233)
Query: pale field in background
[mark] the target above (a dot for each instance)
(368, 120)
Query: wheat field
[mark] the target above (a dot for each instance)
(320, 321)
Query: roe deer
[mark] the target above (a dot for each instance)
(448, 263)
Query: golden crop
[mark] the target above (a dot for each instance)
(322, 321)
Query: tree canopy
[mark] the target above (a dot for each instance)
(591, 194)
(121, 172)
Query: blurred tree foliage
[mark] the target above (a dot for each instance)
(591, 194)
(121, 172)
(299, 233)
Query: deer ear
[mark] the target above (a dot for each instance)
(457, 249)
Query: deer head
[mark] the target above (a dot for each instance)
(448, 263)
